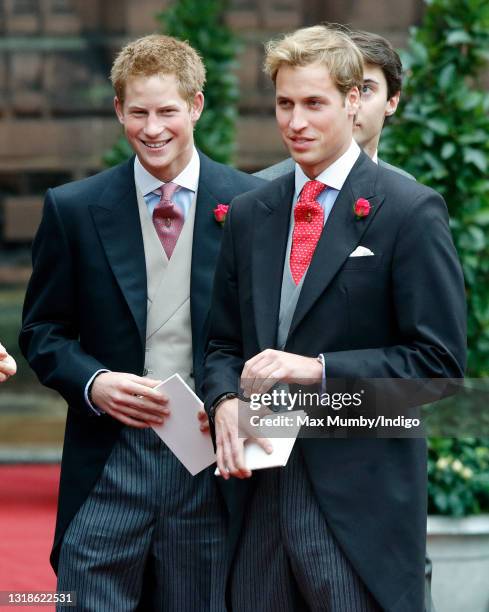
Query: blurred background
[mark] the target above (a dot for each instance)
(57, 125)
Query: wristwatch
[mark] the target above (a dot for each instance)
(217, 403)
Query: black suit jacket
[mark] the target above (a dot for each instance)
(397, 314)
(85, 307)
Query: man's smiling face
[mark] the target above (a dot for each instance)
(159, 123)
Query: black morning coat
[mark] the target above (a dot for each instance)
(399, 314)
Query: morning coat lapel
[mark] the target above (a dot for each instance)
(116, 218)
(206, 244)
(341, 234)
(270, 234)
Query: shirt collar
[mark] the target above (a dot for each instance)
(375, 158)
(335, 175)
(188, 177)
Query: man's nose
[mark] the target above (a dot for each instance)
(297, 120)
(153, 126)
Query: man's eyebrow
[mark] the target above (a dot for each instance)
(142, 106)
(371, 81)
(317, 96)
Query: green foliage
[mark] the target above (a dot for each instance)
(441, 136)
(458, 473)
(202, 24)
(119, 152)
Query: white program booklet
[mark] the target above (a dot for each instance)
(181, 429)
(258, 459)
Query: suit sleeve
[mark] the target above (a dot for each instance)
(429, 301)
(224, 361)
(50, 329)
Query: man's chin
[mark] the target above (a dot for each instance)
(301, 157)
(304, 160)
(310, 170)
(359, 140)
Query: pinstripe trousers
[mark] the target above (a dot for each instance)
(288, 559)
(146, 512)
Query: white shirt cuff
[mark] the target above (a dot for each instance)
(320, 358)
(87, 387)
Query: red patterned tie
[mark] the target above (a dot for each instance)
(168, 218)
(308, 225)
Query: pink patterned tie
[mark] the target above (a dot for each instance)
(308, 225)
(168, 218)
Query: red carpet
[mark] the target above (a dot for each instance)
(28, 495)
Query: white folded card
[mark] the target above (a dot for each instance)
(361, 251)
(181, 430)
(258, 459)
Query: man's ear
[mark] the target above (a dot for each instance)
(118, 110)
(392, 103)
(197, 107)
(352, 101)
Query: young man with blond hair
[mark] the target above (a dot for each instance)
(337, 271)
(380, 94)
(123, 264)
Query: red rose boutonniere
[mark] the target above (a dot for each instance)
(362, 208)
(220, 212)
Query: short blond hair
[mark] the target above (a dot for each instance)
(329, 45)
(159, 54)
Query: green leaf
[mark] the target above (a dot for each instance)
(419, 52)
(474, 137)
(458, 37)
(469, 100)
(473, 239)
(428, 138)
(439, 126)
(476, 157)
(448, 150)
(481, 217)
(447, 76)
(482, 55)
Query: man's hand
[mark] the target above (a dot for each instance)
(230, 451)
(269, 367)
(204, 421)
(8, 367)
(130, 399)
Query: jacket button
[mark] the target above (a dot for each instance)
(191, 374)
(145, 372)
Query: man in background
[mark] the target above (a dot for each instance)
(123, 264)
